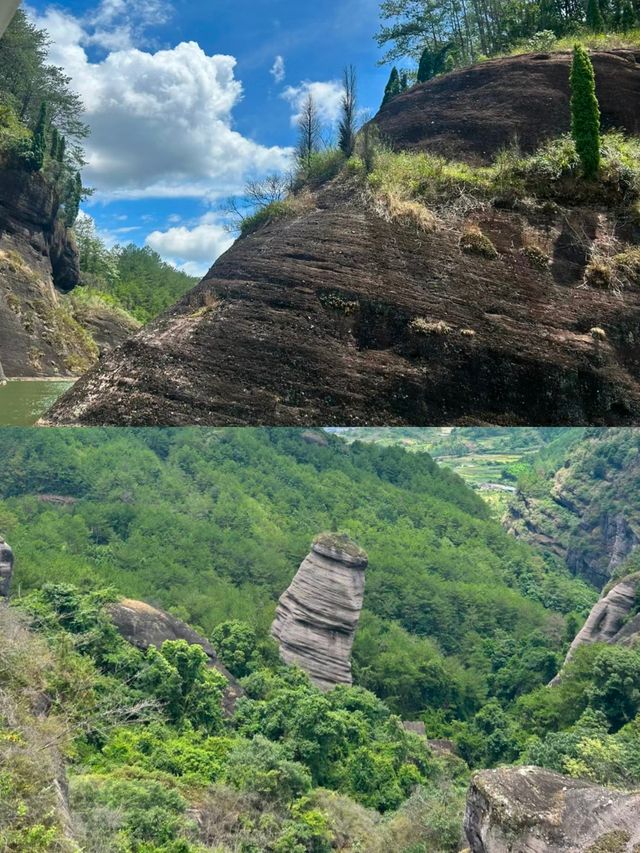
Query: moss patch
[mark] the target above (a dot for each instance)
(611, 842)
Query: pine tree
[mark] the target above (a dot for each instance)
(393, 86)
(425, 69)
(39, 148)
(61, 150)
(347, 127)
(72, 202)
(627, 16)
(595, 21)
(585, 112)
(55, 141)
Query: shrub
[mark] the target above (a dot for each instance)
(474, 242)
(272, 212)
(321, 167)
(424, 327)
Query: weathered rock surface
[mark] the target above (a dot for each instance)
(6, 569)
(472, 114)
(530, 810)
(39, 334)
(613, 619)
(144, 626)
(309, 321)
(317, 616)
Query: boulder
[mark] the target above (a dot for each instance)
(612, 619)
(143, 626)
(6, 568)
(531, 810)
(317, 616)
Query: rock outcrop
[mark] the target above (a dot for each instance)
(143, 626)
(6, 569)
(41, 332)
(317, 616)
(614, 619)
(475, 112)
(530, 810)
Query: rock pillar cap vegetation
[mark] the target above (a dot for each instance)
(341, 548)
(6, 568)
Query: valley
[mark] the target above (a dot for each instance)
(382, 690)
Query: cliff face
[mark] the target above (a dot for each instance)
(317, 616)
(614, 619)
(474, 113)
(587, 511)
(530, 810)
(144, 626)
(314, 321)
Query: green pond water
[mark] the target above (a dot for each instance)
(22, 402)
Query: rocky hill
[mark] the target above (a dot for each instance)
(581, 505)
(352, 309)
(40, 332)
(317, 616)
(474, 113)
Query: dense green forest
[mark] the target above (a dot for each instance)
(129, 277)
(463, 628)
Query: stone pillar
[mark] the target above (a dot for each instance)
(317, 616)
(6, 569)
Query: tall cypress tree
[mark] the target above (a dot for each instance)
(425, 69)
(55, 141)
(72, 202)
(393, 86)
(39, 148)
(349, 109)
(627, 16)
(62, 147)
(585, 112)
(595, 21)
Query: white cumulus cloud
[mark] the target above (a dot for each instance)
(161, 122)
(327, 97)
(193, 250)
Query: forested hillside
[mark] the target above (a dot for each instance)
(577, 500)
(463, 628)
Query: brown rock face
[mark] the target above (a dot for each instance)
(6, 569)
(471, 114)
(530, 810)
(309, 321)
(317, 616)
(38, 261)
(609, 620)
(144, 626)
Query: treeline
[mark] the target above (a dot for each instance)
(130, 277)
(41, 125)
(444, 35)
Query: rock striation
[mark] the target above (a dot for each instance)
(6, 569)
(143, 626)
(614, 619)
(531, 810)
(475, 112)
(317, 616)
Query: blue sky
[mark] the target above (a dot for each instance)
(189, 98)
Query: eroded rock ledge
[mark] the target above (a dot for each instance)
(317, 616)
(614, 619)
(531, 810)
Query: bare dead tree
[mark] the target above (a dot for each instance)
(309, 130)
